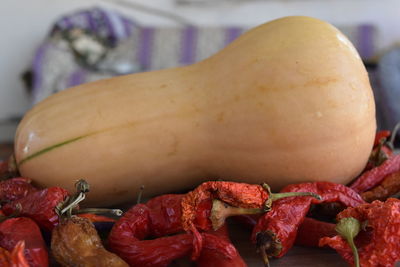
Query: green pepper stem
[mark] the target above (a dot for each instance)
(355, 252)
(275, 196)
(221, 210)
(349, 228)
(139, 197)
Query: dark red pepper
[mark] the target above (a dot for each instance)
(14, 230)
(15, 188)
(39, 206)
(276, 230)
(375, 176)
(159, 217)
(213, 255)
(312, 230)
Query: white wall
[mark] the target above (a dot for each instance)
(24, 24)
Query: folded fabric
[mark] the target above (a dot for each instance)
(97, 43)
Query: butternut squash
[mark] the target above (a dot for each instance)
(288, 101)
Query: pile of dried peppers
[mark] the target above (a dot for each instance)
(361, 221)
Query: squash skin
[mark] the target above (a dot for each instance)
(289, 101)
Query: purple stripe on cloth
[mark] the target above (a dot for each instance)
(128, 25)
(67, 22)
(62, 24)
(145, 47)
(365, 42)
(231, 34)
(76, 78)
(111, 32)
(91, 22)
(188, 45)
(37, 67)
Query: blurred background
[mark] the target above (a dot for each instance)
(49, 45)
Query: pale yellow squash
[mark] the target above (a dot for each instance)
(288, 101)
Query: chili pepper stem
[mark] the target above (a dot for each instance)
(116, 212)
(349, 228)
(275, 196)
(139, 197)
(74, 203)
(82, 187)
(220, 211)
(265, 258)
(268, 245)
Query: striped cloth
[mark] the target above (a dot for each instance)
(131, 47)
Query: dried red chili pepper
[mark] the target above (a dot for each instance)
(276, 230)
(39, 206)
(389, 186)
(15, 188)
(14, 259)
(312, 230)
(378, 242)
(14, 230)
(309, 233)
(246, 198)
(157, 218)
(375, 176)
(212, 255)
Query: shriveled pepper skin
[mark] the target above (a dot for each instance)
(14, 259)
(164, 214)
(389, 186)
(39, 206)
(75, 242)
(235, 194)
(379, 245)
(15, 188)
(375, 176)
(14, 230)
(215, 243)
(287, 214)
(157, 218)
